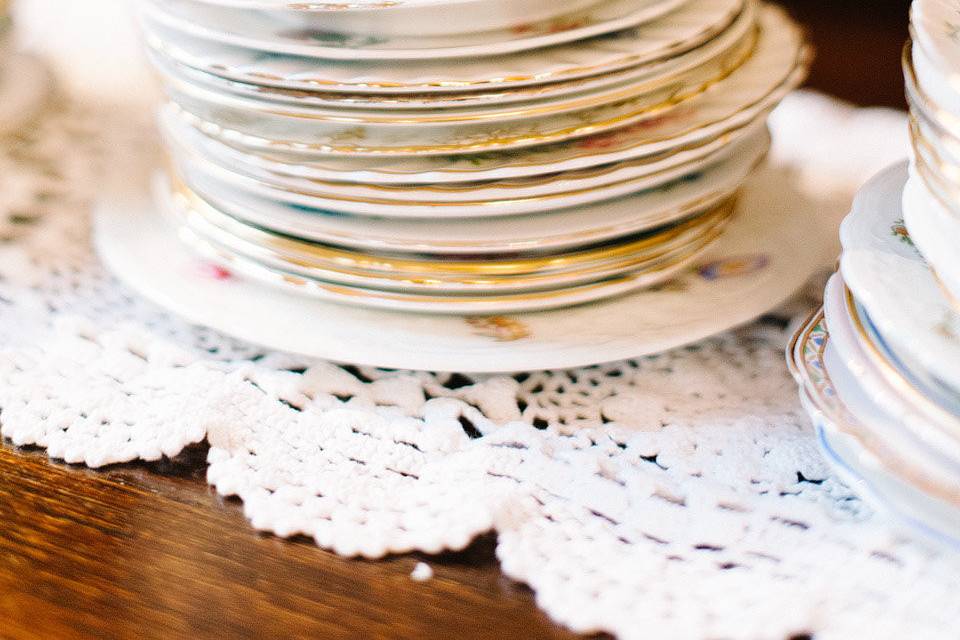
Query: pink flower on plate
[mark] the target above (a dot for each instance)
(214, 271)
(615, 137)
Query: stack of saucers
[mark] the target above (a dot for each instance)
(463, 156)
(24, 82)
(880, 366)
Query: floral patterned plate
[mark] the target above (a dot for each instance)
(936, 29)
(207, 176)
(432, 283)
(715, 60)
(890, 278)
(879, 395)
(302, 128)
(776, 65)
(689, 157)
(928, 87)
(689, 28)
(934, 230)
(552, 230)
(409, 17)
(756, 265)
(169, 48)
(262, 32)
(890, 480)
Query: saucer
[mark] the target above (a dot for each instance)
(756, 265)
(893, 483)
(689, 28)
(210, 178)
(405, 17)
(258, 126)
(934, 231)
(551, 230)
(893, 282)
(255, 31)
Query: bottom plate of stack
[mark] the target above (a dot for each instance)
(766, 252)
(878, 368)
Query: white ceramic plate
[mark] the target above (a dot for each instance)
(753, 88)
(881, 398)
(25, 84)
(890, 278)
(256, 31)
(936, 89)
(408, 17)
(936, 27)
(205, 176)
(935, 232)
(846, 444)
(680, 76)
(637, 75)
(758, 263)
(267, 125)
(687, 29)
(549, 231)
(903, 368)
(447, 291)
(692, 158)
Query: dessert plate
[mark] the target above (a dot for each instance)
(679, 76)
(252, 30)
(890, 278)
(207, 177)
(408, 17)
(940, 175)
(637, 75)
(934, 231)
(900, 368)
(219, 226)
(929, 87)
(756, 264)
(892, 482)
(471, 237)
(446, 289)
(265, 124)
(690, 159)
(936, 29)
(690, 27)
(540, 232)
(909, 421)
(777, 65)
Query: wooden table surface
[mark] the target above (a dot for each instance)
(145, 551)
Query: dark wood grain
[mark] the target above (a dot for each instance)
(149, 551)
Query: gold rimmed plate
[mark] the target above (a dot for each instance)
(371, 201)
(754, 266)
(511, 234)
(197, 213)
(257, 87)
(258, 124)
(649, 266)
(693, 25)
(255, 30)
(892, 479)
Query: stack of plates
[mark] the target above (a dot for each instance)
(24, 82)
(880, 366)
(463, 156)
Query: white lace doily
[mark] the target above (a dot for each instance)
(678, 496)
